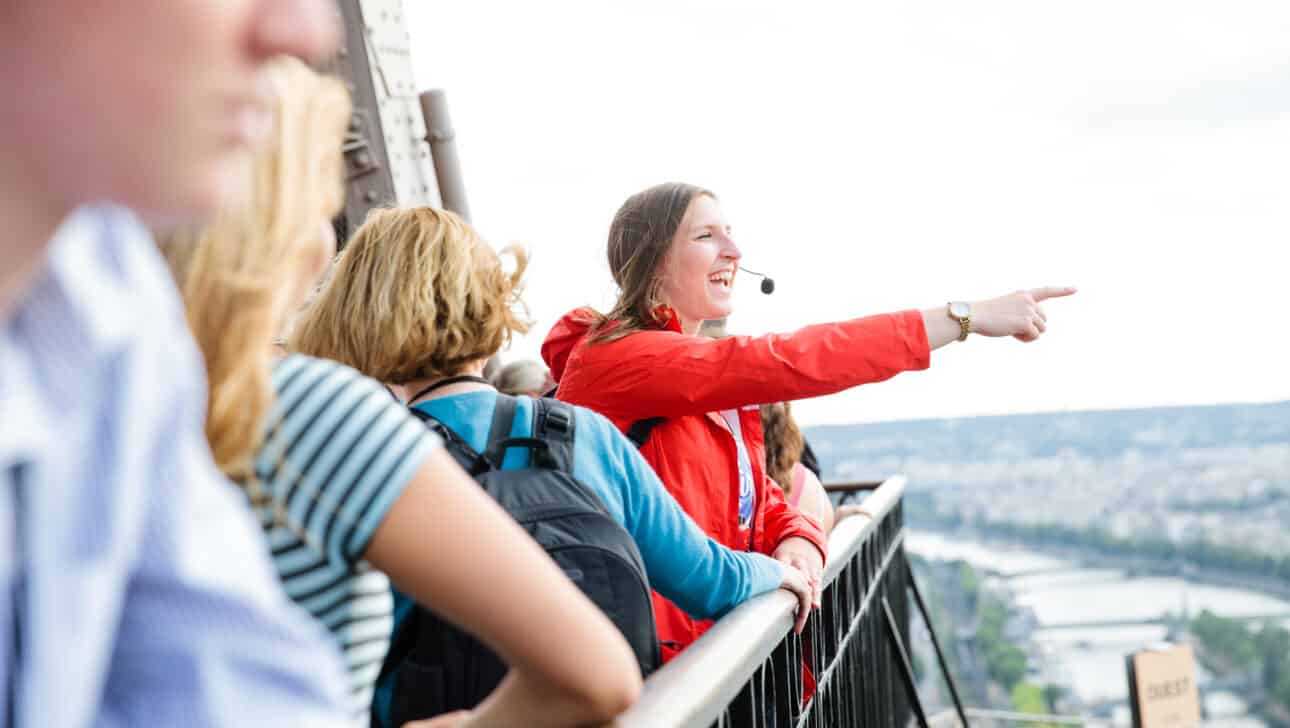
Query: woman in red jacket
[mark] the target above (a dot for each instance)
(672, 256)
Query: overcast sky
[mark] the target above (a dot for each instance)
(880, 156)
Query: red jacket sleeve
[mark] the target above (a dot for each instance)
(781, 520)
(668, 374)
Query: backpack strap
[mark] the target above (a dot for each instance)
(500, 431)
(640, 430)
(461, 451)
(551, 441)
(553, 424)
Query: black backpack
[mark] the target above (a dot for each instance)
(435, 667)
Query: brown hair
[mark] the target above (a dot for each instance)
(416, 294)
(238, 275)
(639, 238)
(784, 443)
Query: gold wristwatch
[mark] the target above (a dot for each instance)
(961, 311)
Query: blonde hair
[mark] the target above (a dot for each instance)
(416, 294)
(239, 275)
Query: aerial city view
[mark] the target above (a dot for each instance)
(1056, 544)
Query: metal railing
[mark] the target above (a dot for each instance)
(750, 670)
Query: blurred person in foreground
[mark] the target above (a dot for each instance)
(526, 376)
(342, 476)
(135, 587)
(672, 253)
(417, 299)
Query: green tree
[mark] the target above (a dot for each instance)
(1029, 698)
(990, 622)
(1281, 691)
(1226, 637)
(969, 583)
(1273, 643)
(1006, 664)
(1052, 693)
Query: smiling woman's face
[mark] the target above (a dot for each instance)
(698, 273)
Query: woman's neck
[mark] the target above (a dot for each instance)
(688, 327)
(411, 388)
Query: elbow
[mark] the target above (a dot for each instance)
(593, 698)
(608, 692)
(629, 691)
(611, 695)
(621, 697)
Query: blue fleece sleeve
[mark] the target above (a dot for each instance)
(683, 564)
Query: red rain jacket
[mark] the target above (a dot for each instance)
(688, 380)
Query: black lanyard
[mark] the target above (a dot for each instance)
(446, 382)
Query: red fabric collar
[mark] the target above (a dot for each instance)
(665, 318)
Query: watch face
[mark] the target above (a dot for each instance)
(960, 309)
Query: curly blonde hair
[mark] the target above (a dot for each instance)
(239, 275)
(416, 294)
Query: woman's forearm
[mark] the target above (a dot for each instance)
(1019, 315)
(941, 329)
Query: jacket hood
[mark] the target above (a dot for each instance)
(563, 337)
(574, 326)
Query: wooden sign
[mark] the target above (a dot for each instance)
(1162, 687)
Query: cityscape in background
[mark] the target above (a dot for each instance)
(1053, 546)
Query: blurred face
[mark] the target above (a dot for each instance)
(148, 103)
(700, 266)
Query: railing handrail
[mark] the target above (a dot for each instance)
(852, 486)
(694, 688)
(1016, 717)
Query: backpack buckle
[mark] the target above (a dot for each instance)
(558, 420)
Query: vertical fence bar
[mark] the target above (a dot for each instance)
(936, 646)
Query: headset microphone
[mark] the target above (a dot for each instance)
(767, 283)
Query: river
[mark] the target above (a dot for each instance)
(1089, 661)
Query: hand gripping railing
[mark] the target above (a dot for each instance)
(748, 670)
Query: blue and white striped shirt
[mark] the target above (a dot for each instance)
(132, 575)
(339, 451)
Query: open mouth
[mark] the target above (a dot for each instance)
(725, 279)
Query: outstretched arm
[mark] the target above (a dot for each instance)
(670, 374)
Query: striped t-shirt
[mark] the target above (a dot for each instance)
(338, 452)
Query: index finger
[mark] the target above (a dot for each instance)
(1047, 292)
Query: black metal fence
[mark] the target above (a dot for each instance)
(849, 667)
